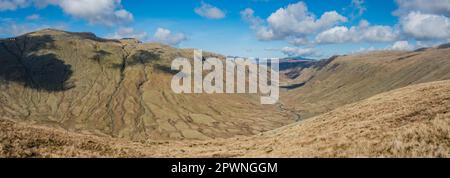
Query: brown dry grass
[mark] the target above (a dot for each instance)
(352, 78)
(121, 89)
(407, 122)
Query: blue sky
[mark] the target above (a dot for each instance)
(250, 28)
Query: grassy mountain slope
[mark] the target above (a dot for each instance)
(331, 83)
(408, 122)
(118, 88)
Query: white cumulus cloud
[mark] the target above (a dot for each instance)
(291, 22)
(13, 4)
(296, 20)
(362, 33)
(425, 6)
(402, 46)
(128, 32)
(209, 11)
(426, 26)
(105, 12)
(165, 36)
(338, 34)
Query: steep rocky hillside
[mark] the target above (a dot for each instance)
(325, 85)
(407, 122)
(119, 88)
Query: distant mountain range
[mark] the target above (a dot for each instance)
(298, 58)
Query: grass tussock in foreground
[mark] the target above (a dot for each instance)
(407, 122)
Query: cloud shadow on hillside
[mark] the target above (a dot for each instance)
(32, 70)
